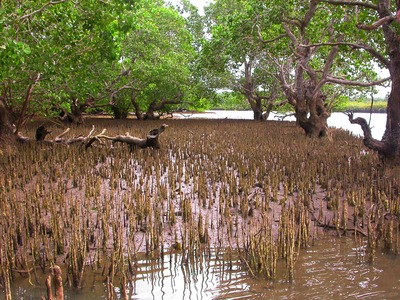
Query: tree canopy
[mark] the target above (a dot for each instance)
(70, 56)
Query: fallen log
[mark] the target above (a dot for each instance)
(42, 132)
(151, 139)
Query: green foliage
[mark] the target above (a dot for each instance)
(121, 105)
(91, 51)
(234, 54)
(143, 52)
(229, 101)
(355, 106)
(159, 52)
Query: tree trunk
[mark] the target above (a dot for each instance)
(7, 137)
(136, 106)
(248, 90)
(389, 147)
(311, 113)
(76, 115)
(258, 113)
(150, 114)
(391, 138)
(268, 111)
(313, 125)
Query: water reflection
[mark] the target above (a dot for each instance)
(331, 269)
(334, 269)
(205, 276)
(338, 120)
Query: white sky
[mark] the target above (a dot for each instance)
(199, 3)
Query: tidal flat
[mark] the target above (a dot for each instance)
(260, 193)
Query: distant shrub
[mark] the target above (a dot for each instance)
(378, 107)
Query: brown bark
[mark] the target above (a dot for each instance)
(135, 104)
(48, 288)
(305, 93)
(389, 146)
(6, 132)
(57, 281)
(133, 142)
(369, 141)
(310, 111)
(255, 100)
(27, 99)
(57, 284)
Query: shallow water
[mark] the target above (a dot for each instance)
(338, 120)
(331, 269)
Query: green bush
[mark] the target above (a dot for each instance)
(378, 107)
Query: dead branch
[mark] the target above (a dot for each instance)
(58, 138)
(42, 132)
(79, 139)
(151, 139)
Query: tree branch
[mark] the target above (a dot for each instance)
(164, 102)
(26, 102)
(290, 34)
(268, 41)
(369, 141)
(310, 13)
(376, 24)
(367, 48)
(352, 3)
(41, 9)
(331, 79)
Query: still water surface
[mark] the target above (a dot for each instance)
(333, 268)
(338, 120)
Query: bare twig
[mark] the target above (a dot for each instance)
(42, 9)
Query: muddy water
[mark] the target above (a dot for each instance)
(331, 269)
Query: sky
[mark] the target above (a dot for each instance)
(199, 3)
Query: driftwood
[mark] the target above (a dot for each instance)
(151, 139)
(42, 132)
